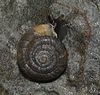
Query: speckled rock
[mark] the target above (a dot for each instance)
(82, 41)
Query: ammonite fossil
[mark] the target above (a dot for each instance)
(41, 57)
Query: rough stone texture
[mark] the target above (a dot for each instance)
(82, 76)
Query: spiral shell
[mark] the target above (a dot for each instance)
(41, 58)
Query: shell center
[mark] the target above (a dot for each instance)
(43, 59)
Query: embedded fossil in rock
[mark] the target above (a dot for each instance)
(57, 31)
(41, 56)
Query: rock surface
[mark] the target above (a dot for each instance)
(82, 40)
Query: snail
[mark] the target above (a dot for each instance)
(41, 56)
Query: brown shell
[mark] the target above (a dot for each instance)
(41, 58)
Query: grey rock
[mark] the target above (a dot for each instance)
(82, 76)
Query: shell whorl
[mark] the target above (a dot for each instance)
(41, 58)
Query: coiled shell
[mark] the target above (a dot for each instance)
(41, 58)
